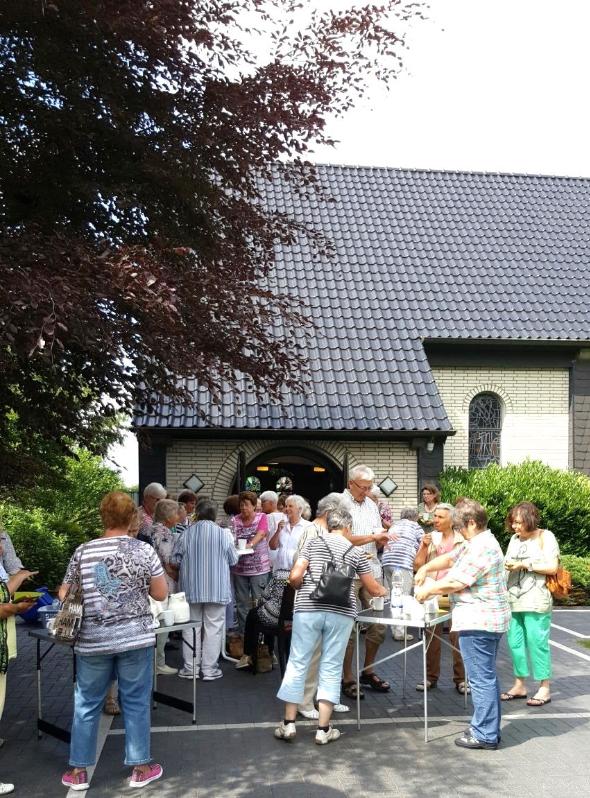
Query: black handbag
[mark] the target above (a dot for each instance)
(335, 582)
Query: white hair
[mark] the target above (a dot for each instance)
(166, 509)
(269, 496)
(361, 472)
(156, 490)
(306, 514)
(299, 501)
(332, 501)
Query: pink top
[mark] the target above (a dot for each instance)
(252, 564)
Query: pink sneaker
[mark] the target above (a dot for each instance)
(139, 778)
(78, 781)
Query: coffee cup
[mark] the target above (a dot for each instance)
(377, 603)
(242, 544)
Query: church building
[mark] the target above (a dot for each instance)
(451, 326)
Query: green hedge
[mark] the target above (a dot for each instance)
(563, 498)
(46, 525)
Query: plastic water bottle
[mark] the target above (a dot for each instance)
(397, 607)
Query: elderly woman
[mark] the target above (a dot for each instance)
(204, 554)
(532, 554)
(319, 526)
(162, 537)
(284, 541)
(117, 573)
(480, 615)
(430, 498)
(251, 574)
(317, 622)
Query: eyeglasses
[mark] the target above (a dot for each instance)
(364, 488)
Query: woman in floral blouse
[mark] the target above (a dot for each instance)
(163, 539)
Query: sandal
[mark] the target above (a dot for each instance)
(111, 706)
(538, 702)
(378, 684)
(349, 690)
(511, 696)
(463, 688)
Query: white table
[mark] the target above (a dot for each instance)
(44, 636)
(384, 617)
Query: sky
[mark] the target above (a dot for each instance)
(487, 86)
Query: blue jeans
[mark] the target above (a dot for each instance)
(309, 628)
(133, 670)
(479, 650)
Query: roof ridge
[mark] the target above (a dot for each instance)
(414, 170)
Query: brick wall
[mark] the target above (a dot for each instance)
(215, 462)
(535, 411)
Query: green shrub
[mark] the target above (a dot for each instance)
(579, 568)
(563, 498)
(46, 525)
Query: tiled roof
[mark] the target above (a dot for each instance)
(418, 255)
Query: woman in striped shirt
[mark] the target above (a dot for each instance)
(117, 574)
(317, 622)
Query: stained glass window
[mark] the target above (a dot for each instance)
(485, 430)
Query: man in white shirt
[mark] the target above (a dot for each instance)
(288, 533)
(368, 529)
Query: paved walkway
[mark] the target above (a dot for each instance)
(232, 753)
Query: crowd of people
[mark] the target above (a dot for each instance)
(234, 568)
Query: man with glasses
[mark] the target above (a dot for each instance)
(367, 532)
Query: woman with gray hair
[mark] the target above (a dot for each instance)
(333, 501)
(166, 514)
(317, 621)
(284, 541)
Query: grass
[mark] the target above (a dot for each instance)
(585, 643)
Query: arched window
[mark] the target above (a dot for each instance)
(485, 430)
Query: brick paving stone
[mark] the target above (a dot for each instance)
(385, 758)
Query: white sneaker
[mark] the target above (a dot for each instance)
(323, 737)
(286, 731)
(310, 714)
(186, 673)
(210, 677)
(6, 788)
(398, 636)
(244, 662)
(341, 708)
(166, 670)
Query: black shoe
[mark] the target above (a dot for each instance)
(468, 741)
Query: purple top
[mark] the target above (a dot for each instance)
(252, 564)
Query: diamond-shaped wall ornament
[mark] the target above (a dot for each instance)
(388, 486)
(193, 483)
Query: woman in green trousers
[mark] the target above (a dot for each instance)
(532, 554)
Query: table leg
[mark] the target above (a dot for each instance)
(405, 661)
(195, 673)
(39, 697)
(424, 683)
(358, 677)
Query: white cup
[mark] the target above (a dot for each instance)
(167, 618)
(242, 544)
(436, 537)
(377, 603)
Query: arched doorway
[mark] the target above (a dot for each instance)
(295, 469)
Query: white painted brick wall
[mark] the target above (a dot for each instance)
(536, 411)
(215, 461)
